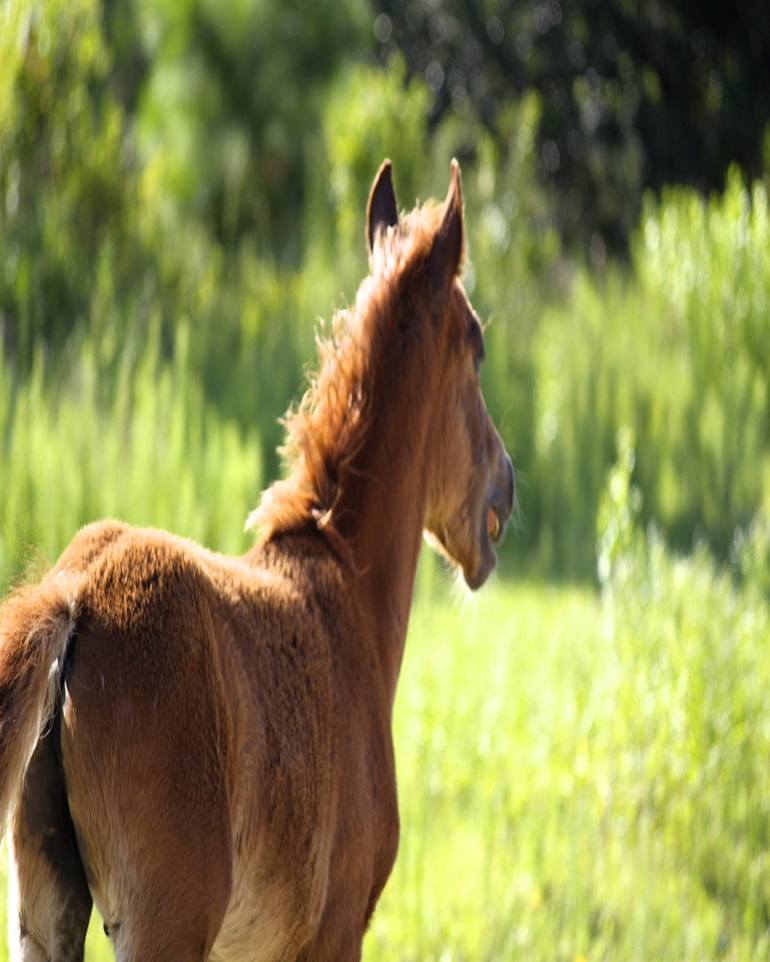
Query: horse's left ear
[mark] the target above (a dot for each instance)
(447, 251)
(382, 209)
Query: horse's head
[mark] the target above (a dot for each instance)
(470, 480)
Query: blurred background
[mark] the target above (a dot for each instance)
(583, 750)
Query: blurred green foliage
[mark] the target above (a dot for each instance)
(68, 193)
(147, 447)
(371, 115)
(692, 728)
(205, 168)
(679, 353)
(230, 108)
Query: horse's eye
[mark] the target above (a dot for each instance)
(477, 343)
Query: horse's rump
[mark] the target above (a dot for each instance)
(196, 702)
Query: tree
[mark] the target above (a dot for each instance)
(633, 95)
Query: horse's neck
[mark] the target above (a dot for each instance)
(383, 517)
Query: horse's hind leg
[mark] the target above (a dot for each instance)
(50, 904)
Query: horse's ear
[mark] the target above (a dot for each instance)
(382, 209)
(447, 251)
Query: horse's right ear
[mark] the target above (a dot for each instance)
(382, 209)
(446, 255)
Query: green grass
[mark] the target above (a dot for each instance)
(539, 822)
(147, 449)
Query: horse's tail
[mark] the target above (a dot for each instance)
(36, 624)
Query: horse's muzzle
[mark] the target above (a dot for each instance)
(503, 497)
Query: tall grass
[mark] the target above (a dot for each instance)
(678, 350)
(146, 448)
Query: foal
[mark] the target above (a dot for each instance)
(201, 744)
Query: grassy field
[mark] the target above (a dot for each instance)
(550, 745)
(551, 805)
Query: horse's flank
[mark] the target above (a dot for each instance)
(218, 772)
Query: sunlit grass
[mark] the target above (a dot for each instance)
(527, 830)
(147, 449)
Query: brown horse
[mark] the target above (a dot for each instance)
(202, 744)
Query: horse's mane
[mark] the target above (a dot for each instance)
(327, 429)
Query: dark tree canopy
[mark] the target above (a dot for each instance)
(634, 95)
